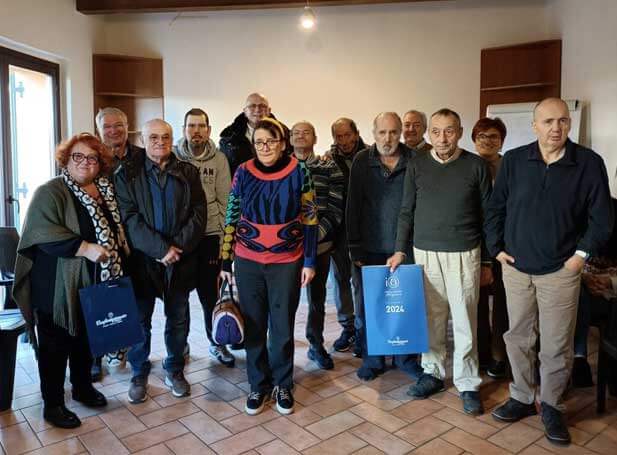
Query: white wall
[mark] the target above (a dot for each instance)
(53, 30)
(361, 59)
(589, 69)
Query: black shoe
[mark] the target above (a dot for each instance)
(345, 341)
(320, 357)
(513, 410)
(255, 402)
(91, 398)
(96, 370)
(357, 350)
(498, 369)
(236, 347)
(368, 374)
(426, 386)
(61, 417)
(284, 400)
(472, 404)
(581, 373)
(555, 428)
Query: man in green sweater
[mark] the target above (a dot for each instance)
(444, 199)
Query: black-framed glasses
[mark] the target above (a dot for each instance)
(90, 159)
(259, 145)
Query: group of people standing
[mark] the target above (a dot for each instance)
(268, 214)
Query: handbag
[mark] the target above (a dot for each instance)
(111, 315)
(227, 320)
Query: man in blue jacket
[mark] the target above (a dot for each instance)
(549, 212)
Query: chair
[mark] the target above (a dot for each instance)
(607, 356)
(9, 239)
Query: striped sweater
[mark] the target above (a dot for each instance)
(329, 182)
(271, 216)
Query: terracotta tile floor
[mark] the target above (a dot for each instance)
(335, 413)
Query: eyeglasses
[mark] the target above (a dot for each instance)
(254, 107)
(90, 159)
(259, 145)
(488, 137)
(154, 138)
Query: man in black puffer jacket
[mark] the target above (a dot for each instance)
(236, 139)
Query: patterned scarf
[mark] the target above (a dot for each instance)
(105, 235)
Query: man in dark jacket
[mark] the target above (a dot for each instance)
(163, 209)
(549, 212)
(236, 139)
(373, 204)
(346, 145)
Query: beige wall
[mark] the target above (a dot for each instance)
(589, 69)
(360, 61)
(53, 30)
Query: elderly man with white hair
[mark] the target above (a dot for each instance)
(163, 209)
(113, 127)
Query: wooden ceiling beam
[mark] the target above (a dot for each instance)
(157, 6)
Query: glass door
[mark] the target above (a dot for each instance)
(30, 130)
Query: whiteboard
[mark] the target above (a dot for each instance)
(518, 117)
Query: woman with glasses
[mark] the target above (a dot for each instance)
(72, 223)
(271, 237)
(488, 135)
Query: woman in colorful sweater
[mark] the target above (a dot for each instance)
(271, 237)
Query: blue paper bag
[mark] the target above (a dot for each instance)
(395, 310)
(111, 316)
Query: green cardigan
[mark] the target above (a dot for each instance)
(51, 217)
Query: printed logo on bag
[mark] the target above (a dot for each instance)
(398, 341)
(392, 282)
(111, 320)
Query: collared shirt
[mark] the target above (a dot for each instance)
(541, 214)
(163, 188)
(454, 156)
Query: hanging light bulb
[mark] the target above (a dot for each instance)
(308, 19)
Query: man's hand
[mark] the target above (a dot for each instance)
(395, 260)
(308, 273)
(358, 263)
(327, 156)
(93, 252)
(173, 255)
(486, 275)
(575, 264)
(505, 258)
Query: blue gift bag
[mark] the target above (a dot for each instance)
(111, 316)
(395, 310)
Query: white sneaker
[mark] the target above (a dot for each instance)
(221, 354)
(116, 359)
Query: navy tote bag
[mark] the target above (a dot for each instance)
(111, 316)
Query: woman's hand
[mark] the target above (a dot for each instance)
(308, 273)
(226, 276)
(93, 252)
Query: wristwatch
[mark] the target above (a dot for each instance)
(582, 254)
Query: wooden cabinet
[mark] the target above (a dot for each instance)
(132, 84)
(520, 73)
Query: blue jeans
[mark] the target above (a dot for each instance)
(176, 331)
(341, 270)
